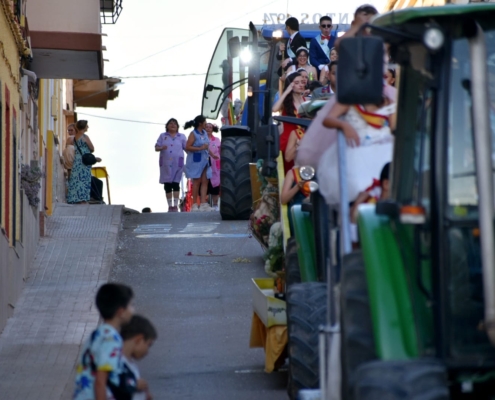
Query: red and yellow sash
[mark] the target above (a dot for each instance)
(375, 120)
(297, 178)
(299, 133)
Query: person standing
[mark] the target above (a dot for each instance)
(295, 40)
(171, 145)
(197, 162)
(80, 177)
(320, 45)
(214, 181)
(69, 151)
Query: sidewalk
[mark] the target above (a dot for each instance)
(56, 312)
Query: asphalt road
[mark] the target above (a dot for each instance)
(186, 274)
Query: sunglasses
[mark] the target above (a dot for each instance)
(326, 26)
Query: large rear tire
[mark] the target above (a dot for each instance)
(358, 344)
(401, 380)
(307, 310)
(235, 181)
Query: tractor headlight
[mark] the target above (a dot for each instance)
(313, 186)
(278, 34)
(307, 172)
(246, 56)
(433, 38)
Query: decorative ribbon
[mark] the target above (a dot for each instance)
(375, 120)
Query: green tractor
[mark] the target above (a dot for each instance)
(411, 315)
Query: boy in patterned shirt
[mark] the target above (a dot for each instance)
(100, 363)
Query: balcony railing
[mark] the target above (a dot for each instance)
(110, 11)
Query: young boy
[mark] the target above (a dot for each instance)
(138, 335)
(100, 363)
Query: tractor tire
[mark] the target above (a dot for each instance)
(292, 272)
(358, 344)
(306, 311)
(401, 380)
(235, 180)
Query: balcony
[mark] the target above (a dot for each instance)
(90, 93)
(65, 38)
(110, 11)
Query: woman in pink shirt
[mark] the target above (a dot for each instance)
(214, 182)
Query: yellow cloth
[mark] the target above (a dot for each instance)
(273, 340)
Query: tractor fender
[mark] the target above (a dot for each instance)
(305, 239)
(389, 293)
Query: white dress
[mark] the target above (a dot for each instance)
(364, 162)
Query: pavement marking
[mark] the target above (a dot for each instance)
(200, 227)
(196, 263)
(250, 371)
(193, 235)
(152, 228)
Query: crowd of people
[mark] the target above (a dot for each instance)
(367, 127)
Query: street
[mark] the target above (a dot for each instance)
(191, 273)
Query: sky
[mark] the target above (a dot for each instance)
(154, 37)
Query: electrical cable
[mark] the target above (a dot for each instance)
(121, 119)
(195, 37)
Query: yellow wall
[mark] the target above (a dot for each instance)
(9, 77)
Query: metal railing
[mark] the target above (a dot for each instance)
(110, 11)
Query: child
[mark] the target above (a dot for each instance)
(138, 335)
(100, 364)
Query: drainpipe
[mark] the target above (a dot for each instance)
(484, 173)
(30, 74)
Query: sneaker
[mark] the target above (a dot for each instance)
(214, 208)
(195, 208)
(205, 207)
(172, 209)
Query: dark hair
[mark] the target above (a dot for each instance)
(392, 71)
(146, 210)
(81, 124)
(169, 121)
(325, 18)
(214, 128)
(292, 23)
(332, 63)
(138, 325)
(288, 104)
(195, 122)
(384, 175)
(315, 85)
(111, 297)
(298, 52)
(366, 8)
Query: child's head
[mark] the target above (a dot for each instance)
(140, 333)
(113, 301)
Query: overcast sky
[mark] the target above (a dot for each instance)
(154, 37)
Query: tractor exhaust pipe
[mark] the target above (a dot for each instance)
(484, 167)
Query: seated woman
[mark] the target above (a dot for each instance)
(302, 57)
(288, 103)
(292, 191)
(293, 143)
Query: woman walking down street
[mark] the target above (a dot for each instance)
(171, 145)
(80, 177)
(214, 181)
(69, 151)
(197, 161)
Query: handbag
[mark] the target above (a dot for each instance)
(88, 159)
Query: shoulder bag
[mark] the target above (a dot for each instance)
(88, 159)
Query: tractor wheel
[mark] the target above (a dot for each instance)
(401, 380)
(306, 311)
(235, 181)
(292, 272)
(358, 345)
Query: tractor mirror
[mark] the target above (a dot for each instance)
(234, 46)
(360, 70)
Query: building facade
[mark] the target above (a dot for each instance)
(43, 50)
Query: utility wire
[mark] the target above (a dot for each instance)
(195, 37)
(121, 119)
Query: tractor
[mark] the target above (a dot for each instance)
(411, 315)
